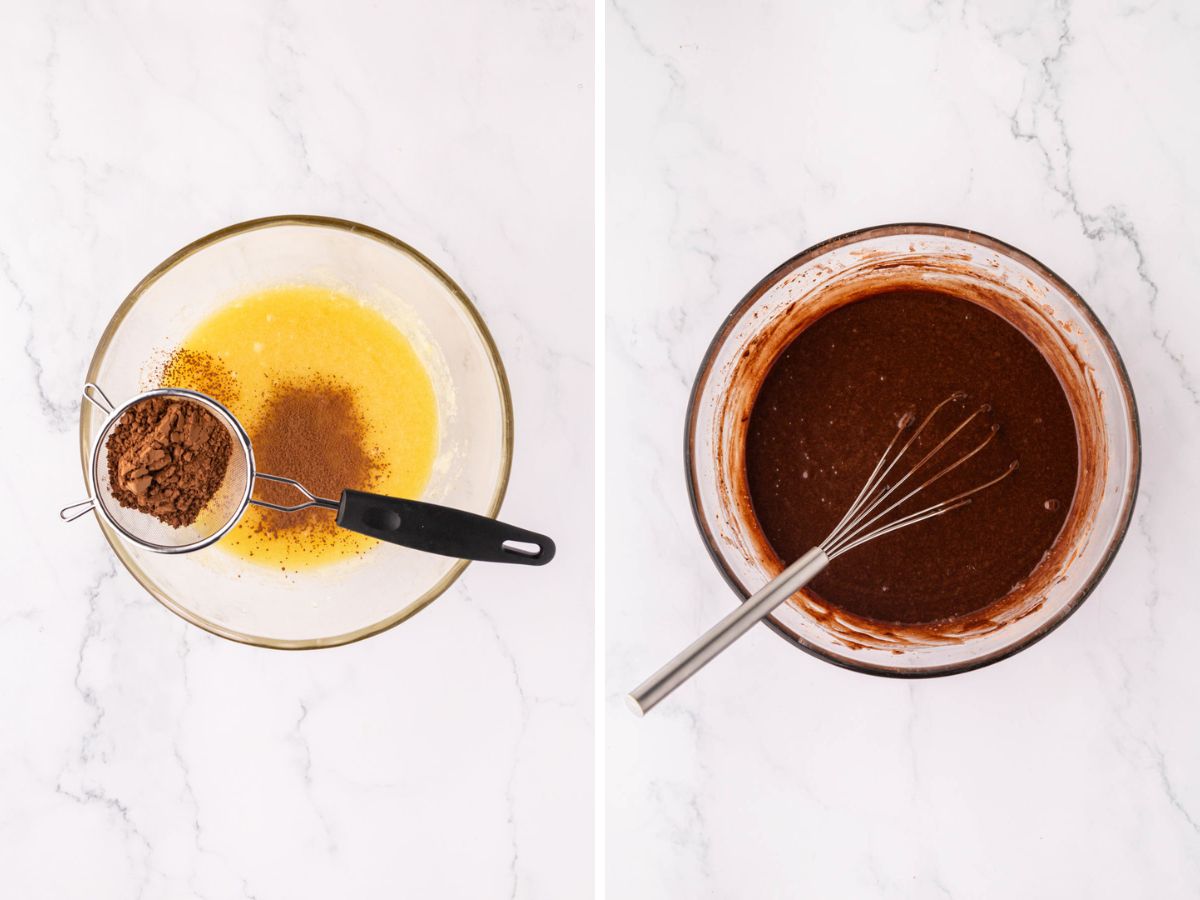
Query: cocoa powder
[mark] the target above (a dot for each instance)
(312, 432)
(202, 372)
(167, 457)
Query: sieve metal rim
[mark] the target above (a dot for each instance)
(235, 428)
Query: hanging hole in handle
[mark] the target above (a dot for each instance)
(527, 549)
(103, 404)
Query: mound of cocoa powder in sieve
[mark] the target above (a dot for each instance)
(167, 457)
(311, 431)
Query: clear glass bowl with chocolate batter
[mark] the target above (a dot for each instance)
(782, 400)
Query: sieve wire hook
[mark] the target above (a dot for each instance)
(93, 395)
(103, 403)
(313, 499)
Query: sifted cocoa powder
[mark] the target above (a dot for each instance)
(167, 457)
(199, 371)
(314, 433)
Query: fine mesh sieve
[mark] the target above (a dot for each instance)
(410, 523)
(216, 518)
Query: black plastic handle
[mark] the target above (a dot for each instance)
(441, 529)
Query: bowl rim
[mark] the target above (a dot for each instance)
(1130, 491)
(489, 344)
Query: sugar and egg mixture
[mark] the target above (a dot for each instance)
(331, 393)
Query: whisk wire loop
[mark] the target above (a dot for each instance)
(868, 508)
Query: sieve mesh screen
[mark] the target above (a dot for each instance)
(218, 515)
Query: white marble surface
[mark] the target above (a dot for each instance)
(737, 136)
(141, 757)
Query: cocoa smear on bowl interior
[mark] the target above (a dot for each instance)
(167, 457)
(966, 283)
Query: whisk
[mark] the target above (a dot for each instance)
(873, 514)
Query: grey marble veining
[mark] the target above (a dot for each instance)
(140, 757)
(738, 136)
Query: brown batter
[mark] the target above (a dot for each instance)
(833, 400)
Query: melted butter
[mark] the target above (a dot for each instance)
(291, 334)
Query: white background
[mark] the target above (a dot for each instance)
(141, 757)
(739, 134)
(451, 757)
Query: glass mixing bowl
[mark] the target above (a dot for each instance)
(349, 600)
(983, 270)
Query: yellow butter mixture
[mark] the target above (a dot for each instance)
(329, 390)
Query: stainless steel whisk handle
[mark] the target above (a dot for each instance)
(700, 652)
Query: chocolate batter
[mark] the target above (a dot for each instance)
(831, 403)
